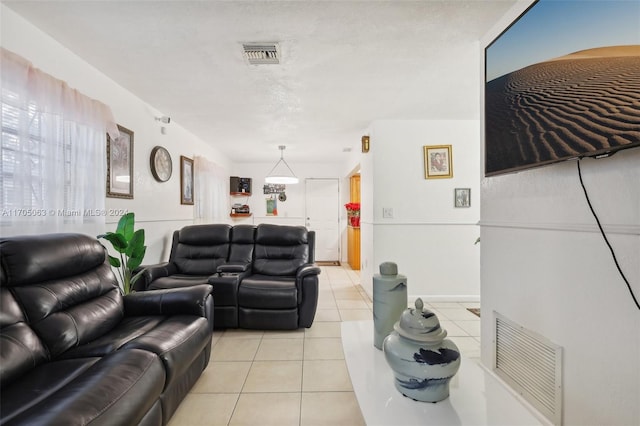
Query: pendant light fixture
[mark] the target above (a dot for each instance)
(281, 172)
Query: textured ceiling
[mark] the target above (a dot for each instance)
(344, 64)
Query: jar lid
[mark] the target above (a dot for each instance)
(420, 324)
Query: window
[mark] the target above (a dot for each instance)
(53, 159)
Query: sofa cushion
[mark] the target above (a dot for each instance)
(266, 292)
(20, 348)
(200, 249)
(177, 281)
(117, 389)
(280, 250)
(65, 286)
(177, 340)
(242, 239)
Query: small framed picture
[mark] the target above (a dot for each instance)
(462, 197)
(438, 163)
(120, 164)
(186, 180)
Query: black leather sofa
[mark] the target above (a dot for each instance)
(75, 351)
(263, 277)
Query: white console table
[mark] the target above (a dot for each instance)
(477, 397)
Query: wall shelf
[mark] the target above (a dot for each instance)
(248, 194)
(240, 214)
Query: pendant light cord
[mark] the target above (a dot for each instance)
(606, 240)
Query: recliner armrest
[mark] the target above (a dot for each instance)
(173, 301)
(306, 270)
(153, 272)
(233, 267)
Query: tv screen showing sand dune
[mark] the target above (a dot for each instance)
(552, 94)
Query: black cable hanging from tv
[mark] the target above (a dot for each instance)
(606, 240)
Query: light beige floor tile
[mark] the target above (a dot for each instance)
(336, 285)
(204, 409)
(284, 334)
(469, 346)
(327, 315)
(323, 348)
(235, 349)
(327, 304)
(274, 376)
(351, 304)
(239, 333)
(438, 305)
(325, 376)
(323, 329)
(470, 304)
(277, 409)
(347, 294)
(222, 377)
(457, 314)
(471, 327)
(344, 409)
(452, 329)
(280, 350)
(356, 314)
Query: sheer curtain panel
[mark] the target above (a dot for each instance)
(212, 192)
(53, 152)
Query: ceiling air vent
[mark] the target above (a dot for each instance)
(262, 53)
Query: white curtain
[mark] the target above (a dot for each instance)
(211, 203)
(53, 153)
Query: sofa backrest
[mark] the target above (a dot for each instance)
(58, 291)
(200, 249)
(242, 244)
(280, 250)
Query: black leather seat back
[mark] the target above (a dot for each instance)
(200, 249)
(280, 250)
(242, 239)
(61, 287)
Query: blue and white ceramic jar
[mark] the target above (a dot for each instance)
(422, 360)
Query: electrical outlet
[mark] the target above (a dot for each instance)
(387, 212)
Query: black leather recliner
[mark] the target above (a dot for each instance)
(267, 278)
(74, 351)
(281, 290)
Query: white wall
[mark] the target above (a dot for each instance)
(156, 205)
(545, 266)
(431, 241)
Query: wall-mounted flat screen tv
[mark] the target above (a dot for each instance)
(563, 81)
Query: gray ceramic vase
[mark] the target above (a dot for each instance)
(422, 360)
(389, 301)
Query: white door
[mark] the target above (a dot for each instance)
(323, 216)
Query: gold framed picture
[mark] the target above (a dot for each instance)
(186, 180)
(438, 162)
(120, 164)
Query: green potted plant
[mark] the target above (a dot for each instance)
(130, 245)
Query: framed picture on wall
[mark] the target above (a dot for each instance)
(438, 163)
(120, 164)
(186, 180)
(462, 197)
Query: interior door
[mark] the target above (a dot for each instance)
(323, 216)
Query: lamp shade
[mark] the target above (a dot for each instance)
(281, 173)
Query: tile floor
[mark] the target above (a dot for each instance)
(299, 377)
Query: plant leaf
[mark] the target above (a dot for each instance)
(126, 225)
(117, 241)
(114, 261)
(136, 243)
(136, 261)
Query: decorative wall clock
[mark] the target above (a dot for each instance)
(161, 166)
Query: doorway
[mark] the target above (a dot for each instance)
(323, 216)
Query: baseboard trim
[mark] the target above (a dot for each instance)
(445, 298)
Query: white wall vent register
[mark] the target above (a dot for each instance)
(531, 365)
(262, 53)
